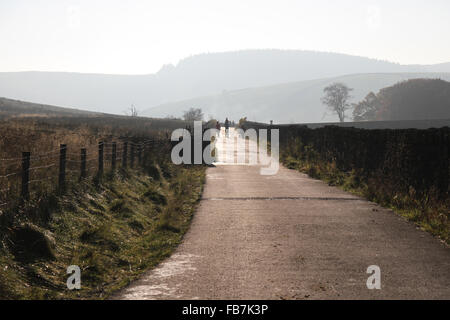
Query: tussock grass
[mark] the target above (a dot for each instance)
(113, 226)
(28, 244)
(155, 196)
(113, 230)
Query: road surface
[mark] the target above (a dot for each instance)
(288, 236)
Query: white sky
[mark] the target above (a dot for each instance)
(138, 37)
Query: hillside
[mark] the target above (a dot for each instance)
(296, 102)
(195, 76)
(16, 108)
(406, 100)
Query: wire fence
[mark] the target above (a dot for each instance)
(26, 177)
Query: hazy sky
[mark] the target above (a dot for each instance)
(138, 37)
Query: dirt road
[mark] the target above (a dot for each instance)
(288, 236)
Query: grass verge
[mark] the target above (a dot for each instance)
(113, 229)
(426, 211)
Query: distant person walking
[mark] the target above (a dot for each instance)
(218, 128)
(227, 127)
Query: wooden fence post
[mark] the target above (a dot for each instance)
(205, 143)
(25, 174)
(113, 159)
(62, 167)
(83, 164)
(151, 148)
(145, 157)
(100, 158)
(192, 149)
(124, 155)
(140, 154)
(132, 155)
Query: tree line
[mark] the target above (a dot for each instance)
(414, 99)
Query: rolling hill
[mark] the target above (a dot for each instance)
(53, 116)
(295, 102)
(198, 75)
(10, 108)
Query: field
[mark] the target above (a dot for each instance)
(114, 223)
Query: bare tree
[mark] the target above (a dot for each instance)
(132, 111)
(336, 98)
(193, 114)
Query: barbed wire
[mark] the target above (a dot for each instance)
(79, 161)
(40, 180)
(73, 171)
(10, 175)
(133, 150)
(41, 167)
(11, 159)
(55, 152)
(46, 153)
(31, 157)
(44, 157)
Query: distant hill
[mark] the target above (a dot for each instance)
(15, 108)
(295, 102)
(198, 75)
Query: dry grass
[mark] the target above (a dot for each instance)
(113, 231)
(114, 227)
(428, 210)
(43, 137)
